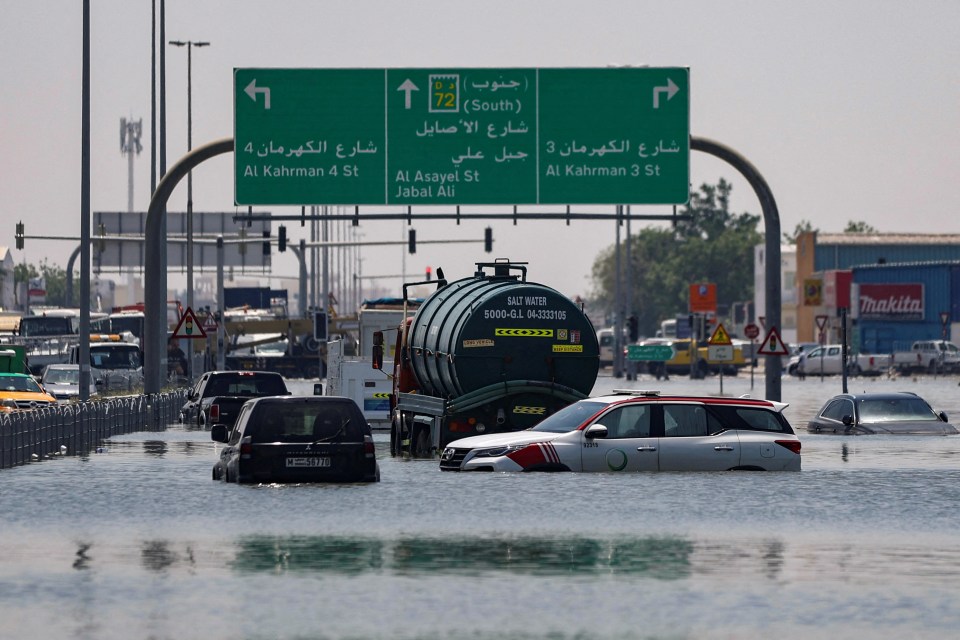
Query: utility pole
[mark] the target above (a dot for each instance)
(189, 44)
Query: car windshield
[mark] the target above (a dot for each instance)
(570, 417)
(246, 385)
(895, 410)
(19, 383)
(110, 357)
(305, 422)
(62, 376)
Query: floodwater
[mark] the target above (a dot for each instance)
(138, 542)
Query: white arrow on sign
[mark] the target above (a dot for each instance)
(407, 87)
(252, 90)
(671, 90)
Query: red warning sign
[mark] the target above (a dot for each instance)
(772, 345)
(189, 326)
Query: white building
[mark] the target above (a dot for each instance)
(7, 297)
(788, 285)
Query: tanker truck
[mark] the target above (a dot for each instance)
(485, 354)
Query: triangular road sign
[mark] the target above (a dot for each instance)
(720, 336)
(772, 345)
(189, 326)
(209, 323)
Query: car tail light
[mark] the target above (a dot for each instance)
(246, 448)
(368, 449)
(793, 445)
(214, 412)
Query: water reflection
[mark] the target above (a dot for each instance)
(658, 557)
(155, 448)
(82, 561)
(156, 555)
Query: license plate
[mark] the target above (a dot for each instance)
(308, 462)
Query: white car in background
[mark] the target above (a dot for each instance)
(640, 431)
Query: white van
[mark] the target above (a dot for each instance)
(606, 339)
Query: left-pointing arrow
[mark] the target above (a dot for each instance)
(252, 90)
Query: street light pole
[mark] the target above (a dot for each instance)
(189, 44)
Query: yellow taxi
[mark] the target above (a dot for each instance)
(20, 392)
(680, 362)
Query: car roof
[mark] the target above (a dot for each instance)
(304, 400)
(877, 395)
(62, 366)
(14, 375)
(628, 395)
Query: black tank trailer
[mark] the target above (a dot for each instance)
(485, 354)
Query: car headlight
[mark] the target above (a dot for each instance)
(496, 452)
(9, 403)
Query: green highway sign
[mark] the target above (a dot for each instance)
(653, 352)
(461, 136)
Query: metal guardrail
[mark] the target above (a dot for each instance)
(27, 436)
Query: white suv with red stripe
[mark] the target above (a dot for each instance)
(640, 431)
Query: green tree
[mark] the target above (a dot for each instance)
(804, 226)
(55, 278)
(859, 226)
(713, 245)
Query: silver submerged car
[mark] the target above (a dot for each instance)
(640, 431)
(62, 381)
(880, 413)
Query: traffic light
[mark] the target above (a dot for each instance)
(412, 241)
(488, 239)
(266, 243)
(282, 239)
(633, 328)
(19, 235)
(429, 274)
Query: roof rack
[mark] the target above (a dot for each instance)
(649, 393)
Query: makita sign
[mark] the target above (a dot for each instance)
(891, 301)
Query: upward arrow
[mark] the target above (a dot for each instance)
(252, 90)
(407, 87)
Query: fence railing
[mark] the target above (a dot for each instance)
(72, 429)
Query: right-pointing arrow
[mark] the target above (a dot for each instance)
(671, 90)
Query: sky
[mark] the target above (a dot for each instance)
(850, 110)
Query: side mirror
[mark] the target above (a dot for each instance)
(218, 433)
(595, 431)
(943, 416)
(377, 352)
(847, 420)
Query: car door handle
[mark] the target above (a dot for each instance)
(723, 447)
(646, 448)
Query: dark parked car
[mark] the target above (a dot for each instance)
(297, 439)
(228, 390)
(880, 413)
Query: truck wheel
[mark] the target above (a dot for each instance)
(201, 420)
(310, 344)
(394, 439)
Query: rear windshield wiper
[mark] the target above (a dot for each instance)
(337, 433)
